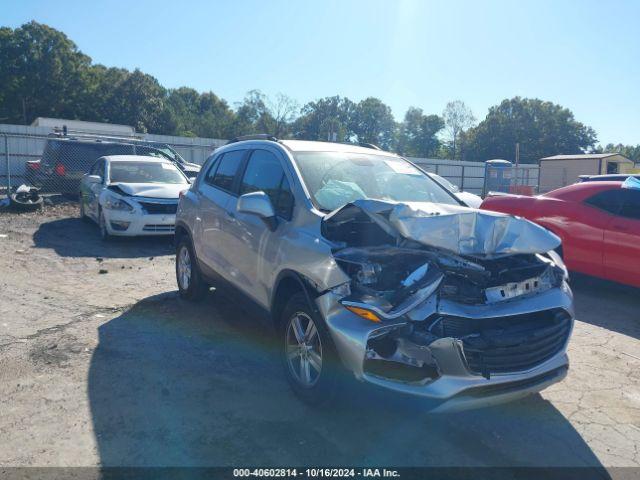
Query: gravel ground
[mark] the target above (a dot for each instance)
(102, 364)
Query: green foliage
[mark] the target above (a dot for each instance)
(326, 119)
(630, 151)
(457, 119)
(372, 122)
(417, 135)
(541, 128)
(42, 73)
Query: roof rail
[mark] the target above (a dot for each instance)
(257, 136)
(369, 145)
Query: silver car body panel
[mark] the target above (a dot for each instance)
(253, 258)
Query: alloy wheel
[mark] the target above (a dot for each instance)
(303, 350)
(184, 268)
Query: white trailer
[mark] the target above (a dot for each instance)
(85, 127)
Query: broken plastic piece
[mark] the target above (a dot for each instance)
(631, 182)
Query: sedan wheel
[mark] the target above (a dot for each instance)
(184, 268)
(303, 350)
(104, 233)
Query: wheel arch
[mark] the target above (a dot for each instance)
(181, 230)
(287, 284)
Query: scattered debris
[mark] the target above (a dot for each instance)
(3, 235)
(99, 259)
(24, 198)
(150, 258)
(103, 271)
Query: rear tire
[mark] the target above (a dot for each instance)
(309, 357)
(191, 285)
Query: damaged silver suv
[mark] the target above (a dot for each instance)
(364, 263)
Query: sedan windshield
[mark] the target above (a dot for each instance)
(145, 172)
(335, 179)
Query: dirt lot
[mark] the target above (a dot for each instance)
(113, 369)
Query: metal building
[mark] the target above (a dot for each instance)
(561, 170)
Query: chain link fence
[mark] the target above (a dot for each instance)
(468, 178)
(521, 180)
(55, 163)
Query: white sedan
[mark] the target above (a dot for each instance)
(132, 195)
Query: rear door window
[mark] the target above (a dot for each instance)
(610, 201)
(227, 169)
(630, 203)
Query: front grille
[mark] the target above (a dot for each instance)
(159, 228)
(509, 344)
(159, 208)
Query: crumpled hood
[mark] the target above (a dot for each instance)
(153, 190)
(461, 230)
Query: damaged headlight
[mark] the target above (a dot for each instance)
(115, 203)
(375, 309)
(557, 259)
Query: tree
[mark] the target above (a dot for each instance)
(417, 134)
(328, 118)
(283, 111)
(138, 101)
(542, 129)
(191, 113)
(373, 122)
(457, 119)
(629, 151)
(42, 73)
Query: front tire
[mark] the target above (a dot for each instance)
(83, 214)
(191, 285)
(102, 224)
(309, 357)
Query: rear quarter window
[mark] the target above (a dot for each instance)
(610, 201)
(226, 171)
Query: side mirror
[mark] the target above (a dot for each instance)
(94, 179)
(258, 203)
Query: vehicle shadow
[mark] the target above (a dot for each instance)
(173, 383)
(73, 237)
(593, 295)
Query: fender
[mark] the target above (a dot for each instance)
(309, 289)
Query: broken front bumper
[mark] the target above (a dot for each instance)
(458, 375)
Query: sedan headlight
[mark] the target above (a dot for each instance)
(115, 203)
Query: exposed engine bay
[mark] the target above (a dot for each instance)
(401, 257)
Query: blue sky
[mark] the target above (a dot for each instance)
(582, 54)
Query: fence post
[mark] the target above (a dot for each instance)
(462, 180)
(484, 184)
(6, 156)
(437, 169)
